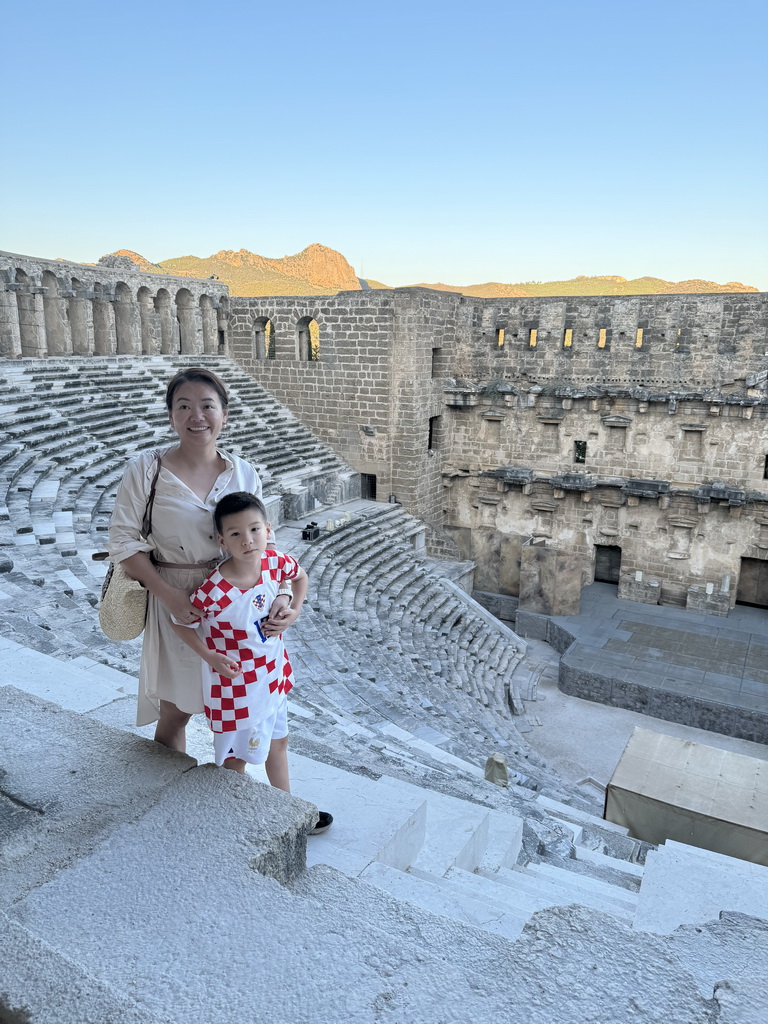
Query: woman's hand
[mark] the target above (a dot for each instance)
(224, 666)
(178, 604)
(281, 616)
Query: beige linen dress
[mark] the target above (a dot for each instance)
(182, 531)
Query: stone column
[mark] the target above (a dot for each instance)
(150, 326)
(10, 335)
(81, 326)
(104, 337)
(57, 328)
(190, 328)
(167, 324)
(127, 326)
(31, 323)
(210, 342)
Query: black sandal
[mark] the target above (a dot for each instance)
(323, 823)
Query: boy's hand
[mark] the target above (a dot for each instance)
(224, 666)
(281, 616)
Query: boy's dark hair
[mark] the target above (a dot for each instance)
(236, 502)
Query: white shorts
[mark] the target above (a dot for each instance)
(252, 744)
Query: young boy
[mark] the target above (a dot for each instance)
(246, 670)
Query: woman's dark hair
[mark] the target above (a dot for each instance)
(200, 376)
(236, 502)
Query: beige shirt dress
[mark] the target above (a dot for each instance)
(182, 531)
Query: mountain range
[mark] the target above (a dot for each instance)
(318, 270)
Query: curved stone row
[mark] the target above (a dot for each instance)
(418, 651)
(69, 427)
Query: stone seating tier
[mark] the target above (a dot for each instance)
(58, 411)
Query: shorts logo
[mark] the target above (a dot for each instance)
(253, 742)
(260, 601)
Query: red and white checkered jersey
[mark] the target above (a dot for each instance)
(231, 624)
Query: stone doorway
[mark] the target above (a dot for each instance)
(607, 563)
(753, 583)
(368, 486)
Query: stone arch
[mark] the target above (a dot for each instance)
(167, 322)
(208, 320)
(148, 322)
(58, 334)
(81, 319)
(103, 313)
(29, 304)
(263, 338)
(185, 317)
(308, 339)
(126, 321)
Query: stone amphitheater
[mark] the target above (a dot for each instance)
(141, 885)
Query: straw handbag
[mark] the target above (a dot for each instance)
(123, 605)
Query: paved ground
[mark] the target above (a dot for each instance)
(581, 739)
(719, 659)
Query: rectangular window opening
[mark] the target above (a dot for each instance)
(568, 338)
(500, 337)
(639, 338)
(765, 469)
(580, 452)
(434, 433)
(435, 357)
(532, 336)
(601, 337)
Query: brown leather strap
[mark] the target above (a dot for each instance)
(209, 565)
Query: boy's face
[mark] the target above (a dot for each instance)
(244, 535)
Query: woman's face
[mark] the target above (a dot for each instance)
(197, 415)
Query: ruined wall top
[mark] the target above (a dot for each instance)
(72, 278)
(666, 342)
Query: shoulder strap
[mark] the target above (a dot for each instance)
(146, 523)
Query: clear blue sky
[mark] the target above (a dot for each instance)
(426, 141)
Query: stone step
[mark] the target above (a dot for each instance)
(578, 816)
(448, 901)
(602, 860)
(544, 892)
(40, 984)
(54, 680)
(686, 885)
(370, 823)
(121, 681)
(583, 883)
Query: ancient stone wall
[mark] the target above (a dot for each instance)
(540, 418)
(659, 341)
(56, 308)
(369, 393)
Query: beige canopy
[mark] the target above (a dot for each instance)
(669, 788)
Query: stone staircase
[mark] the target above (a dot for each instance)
(415, 906)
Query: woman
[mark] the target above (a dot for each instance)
(194, 474)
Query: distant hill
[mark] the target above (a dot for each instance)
(608, 285)
(318, 270)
